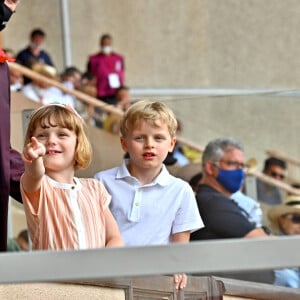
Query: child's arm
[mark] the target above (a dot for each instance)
(180, 280)
(113, 236)
(34, 167)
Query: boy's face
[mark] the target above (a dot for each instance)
(148, 145)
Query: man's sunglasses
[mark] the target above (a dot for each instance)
(294, 218)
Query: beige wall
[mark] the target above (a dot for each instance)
(50, 291)
(260, 122)
(190, 43)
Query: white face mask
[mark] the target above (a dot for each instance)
(35, 47)
(106, 49)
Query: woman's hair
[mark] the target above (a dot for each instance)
(216, 148)
(65, 117)
(149, 111)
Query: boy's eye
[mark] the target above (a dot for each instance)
(159, 138)
(139, 138)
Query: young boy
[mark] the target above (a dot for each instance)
(150, 206)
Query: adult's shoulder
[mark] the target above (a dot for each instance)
(118, 55)
(209, 198)
(95, 55)
(205, 191)
(22, 52)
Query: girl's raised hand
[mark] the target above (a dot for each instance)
(33, 150)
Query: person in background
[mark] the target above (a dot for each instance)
(20, 243)
(266, 193)
(284, 221)
(158, 208)
(223, 166)
(41, 91)
(11, 165)
(178, 152)
(71, 78)
(111, 122)
(16, 80)
(34, 52)
(88, 86)
(63, 212)
(108, 68)
(250, 207)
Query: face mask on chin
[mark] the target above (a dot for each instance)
(231, 180)
(106, 49)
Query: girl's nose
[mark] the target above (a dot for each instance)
(51, 139)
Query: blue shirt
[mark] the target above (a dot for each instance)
(25, 57)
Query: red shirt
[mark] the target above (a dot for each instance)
(102, 66)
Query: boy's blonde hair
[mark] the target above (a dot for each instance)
(149, 111)
(65, 117)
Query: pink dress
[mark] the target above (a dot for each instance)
(67, 216)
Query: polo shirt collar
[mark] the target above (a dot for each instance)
(162, 179)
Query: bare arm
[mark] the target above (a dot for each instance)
(180, 280)
(255, 233)
(113, 236)
(34, 167)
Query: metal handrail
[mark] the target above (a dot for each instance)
(203, 257)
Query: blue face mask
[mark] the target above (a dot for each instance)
(231, 180)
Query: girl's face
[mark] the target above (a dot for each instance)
(60, 146)
(148, 145)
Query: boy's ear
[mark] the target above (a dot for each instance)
(173, 142)
(123, 144)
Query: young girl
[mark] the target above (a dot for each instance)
(63, 212)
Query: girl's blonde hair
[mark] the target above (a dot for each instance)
(65, 117)
(149, 111)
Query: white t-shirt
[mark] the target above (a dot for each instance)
(150, 214)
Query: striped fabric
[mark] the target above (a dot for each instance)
(66, 216)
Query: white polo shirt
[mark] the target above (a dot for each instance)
(150, 214)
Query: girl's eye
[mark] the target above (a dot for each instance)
(41, 135)
(62, 134)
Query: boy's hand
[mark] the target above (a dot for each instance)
(33, 150)
(180, 281)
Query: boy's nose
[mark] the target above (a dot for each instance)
(149, 143)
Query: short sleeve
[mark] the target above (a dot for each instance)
(224, 218)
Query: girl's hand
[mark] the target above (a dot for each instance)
(33, 150)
